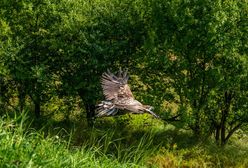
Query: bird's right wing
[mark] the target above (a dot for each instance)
(115, 87)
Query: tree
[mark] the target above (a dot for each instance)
(30, 59)
(96, 39)
(203, 46)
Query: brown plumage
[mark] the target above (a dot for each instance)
(119, 96)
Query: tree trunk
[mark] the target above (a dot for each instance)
(89, 106)
(21, 90)
(37, 105)
(224, 113)
(90, 113)
(217, 135)
(223, 127)
(37, 109)
(22, 100)
(196, 127)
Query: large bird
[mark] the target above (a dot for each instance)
(119, 96)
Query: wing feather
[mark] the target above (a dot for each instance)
(115, 87)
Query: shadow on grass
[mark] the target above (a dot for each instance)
(131, 138)
(137, 138)
(127, 129)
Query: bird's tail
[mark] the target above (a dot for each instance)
(105, 108)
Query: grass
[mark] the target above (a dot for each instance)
(138, 141)
(23, 146)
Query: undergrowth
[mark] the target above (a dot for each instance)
(114, 142)
(23, 146)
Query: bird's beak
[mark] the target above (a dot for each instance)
(152, 113)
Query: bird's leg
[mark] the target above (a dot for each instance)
(111, 111)
(115, 112)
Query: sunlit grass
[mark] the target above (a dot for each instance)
(22, 146)
(137, 142)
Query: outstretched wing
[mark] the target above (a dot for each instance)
(115, 87)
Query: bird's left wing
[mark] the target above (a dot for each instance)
(115, 86)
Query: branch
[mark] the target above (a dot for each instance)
(233, 130)
(174, 118)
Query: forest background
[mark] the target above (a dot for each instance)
(188, 59)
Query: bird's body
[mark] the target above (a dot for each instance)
(119, 96)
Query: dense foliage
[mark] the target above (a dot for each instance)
(186, 58)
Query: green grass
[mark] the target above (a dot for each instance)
(22, 146)
(128, 141)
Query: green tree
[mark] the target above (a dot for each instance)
(202, 45)
(29, 59)
(105, 35)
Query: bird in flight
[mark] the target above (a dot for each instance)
(118, 96)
